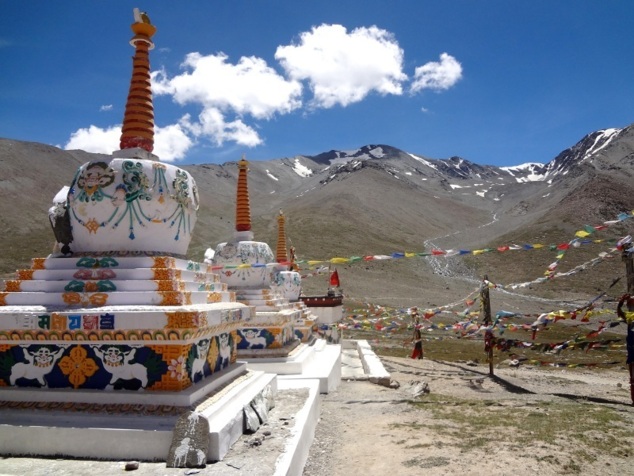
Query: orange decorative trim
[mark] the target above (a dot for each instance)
(162, 262)
(214, 297)
(25, 274)
(162, 274)
(91, 286)
(38, 263)
(171, 298)
(164, 285)
(12, 286)
(182, 320)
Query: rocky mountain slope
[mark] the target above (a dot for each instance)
(375, 200)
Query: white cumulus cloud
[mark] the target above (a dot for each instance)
(95, 139)
(213, 125)
(247, 88)
(344, 67)
(171, 143)
(437, 75)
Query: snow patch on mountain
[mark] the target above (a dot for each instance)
(301, 169)
(423, 161)
(529, 172)
(602, 140)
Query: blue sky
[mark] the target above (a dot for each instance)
(497, 82)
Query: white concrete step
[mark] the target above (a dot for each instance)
(325, 367)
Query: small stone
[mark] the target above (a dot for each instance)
(266, 433)
(132, 465)
(254, 442)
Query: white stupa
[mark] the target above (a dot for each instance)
(118, 318)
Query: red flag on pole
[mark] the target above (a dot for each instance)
(334, 279)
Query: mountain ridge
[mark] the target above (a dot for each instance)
(369, 201)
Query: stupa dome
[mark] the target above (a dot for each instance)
(132, 205)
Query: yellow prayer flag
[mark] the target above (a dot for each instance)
(339, 260)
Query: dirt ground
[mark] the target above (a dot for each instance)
(445, 418)
(527, 420)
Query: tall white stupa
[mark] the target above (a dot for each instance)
(249, 268)
(118, 322)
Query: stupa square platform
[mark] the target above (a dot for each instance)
(118, 425)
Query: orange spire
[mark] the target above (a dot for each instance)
(280, 254)
(243, 209)
(138, 120)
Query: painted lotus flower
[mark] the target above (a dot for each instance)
(178, 368)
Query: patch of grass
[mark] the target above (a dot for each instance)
(480, 424)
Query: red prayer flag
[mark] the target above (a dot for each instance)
(334, 279)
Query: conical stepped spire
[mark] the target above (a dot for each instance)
(280, 254)
(243, 209)
(138, 120)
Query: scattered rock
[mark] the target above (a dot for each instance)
(132, 465)
(253, 442)
(251, 420)
(259, 404)
(190, 442)
(419, 388)
(269, 397)
(380, 380)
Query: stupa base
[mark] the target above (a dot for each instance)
(129, 425)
